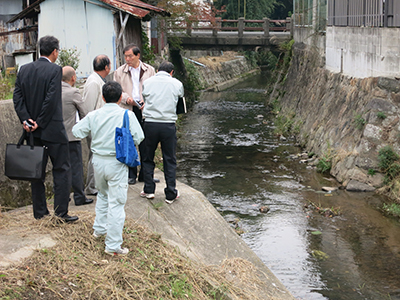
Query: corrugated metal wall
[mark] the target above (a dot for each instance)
(393, 13)
(368, 13)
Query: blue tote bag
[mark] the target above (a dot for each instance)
(124, 145)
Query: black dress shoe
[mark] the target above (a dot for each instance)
(68, 218)
(87, 201)
(131, 180)
(41, 217)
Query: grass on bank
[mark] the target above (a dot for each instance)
(7, 83)
(78, 268)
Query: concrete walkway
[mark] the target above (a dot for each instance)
(191, 223)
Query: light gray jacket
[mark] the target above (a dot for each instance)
(160, 94)
(92, 92)
(72, 104)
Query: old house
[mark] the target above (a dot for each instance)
(91, 26)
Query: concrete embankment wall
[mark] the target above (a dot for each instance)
(343, 117)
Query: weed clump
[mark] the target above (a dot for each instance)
(388, 162)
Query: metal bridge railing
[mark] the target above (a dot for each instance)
(220, 25)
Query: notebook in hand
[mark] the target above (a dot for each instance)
(181, 106)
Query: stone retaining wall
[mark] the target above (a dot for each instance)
(329, 109)
(224, 72)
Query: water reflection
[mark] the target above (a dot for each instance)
(227, 150)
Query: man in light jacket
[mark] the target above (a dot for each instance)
(110, 174)
(161, 93)
(131, 76)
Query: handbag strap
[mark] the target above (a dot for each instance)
(23, 137)
(126, 120)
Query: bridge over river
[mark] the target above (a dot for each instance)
(238, 34)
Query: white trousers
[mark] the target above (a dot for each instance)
(111, 179)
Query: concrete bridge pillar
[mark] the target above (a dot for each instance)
(266, 27)
(189, 28)
(241, 27)
(217, 26)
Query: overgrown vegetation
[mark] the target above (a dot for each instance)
(388, 162)
(324, 164)
(69, 57)
(381, 115)
(192, 82)
(147, 53)
(7, 83)
(284, 124)
(78, 268)
(392, 209)
(262, 57)
(359, 121)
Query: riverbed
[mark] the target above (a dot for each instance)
(227, 149)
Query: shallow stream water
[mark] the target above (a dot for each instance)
(228, 151)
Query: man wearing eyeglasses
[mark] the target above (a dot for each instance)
(131, 76)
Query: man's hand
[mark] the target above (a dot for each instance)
(30, 125)
(130, 101)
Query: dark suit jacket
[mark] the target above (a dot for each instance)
(37, 96)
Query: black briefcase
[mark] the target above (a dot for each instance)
(25, 162)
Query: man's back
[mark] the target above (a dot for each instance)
(161, 94)
(92, 92)
(101, 125)
(72, 103)
(37, 95)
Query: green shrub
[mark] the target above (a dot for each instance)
(284, 124)
(386, 157)
(371, 172)
(392, 209)
(324, 165)
(147, 54)
(7, 84)
(381, 115)
(69, 57)
(359, 121)
(392, 172)
(388, 162)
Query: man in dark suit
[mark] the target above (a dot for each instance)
(37, 102)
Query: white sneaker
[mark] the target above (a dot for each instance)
(173, 200)
(148, 196)
(97, 235)
(121, 251)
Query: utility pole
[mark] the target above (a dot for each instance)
(238, 9)
(244, 9)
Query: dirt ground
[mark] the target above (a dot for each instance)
(215, 61)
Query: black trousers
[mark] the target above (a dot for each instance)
(164, 133)
(59, 156)
(133, 172)
(75, 155)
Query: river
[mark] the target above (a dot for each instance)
(228, 151)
